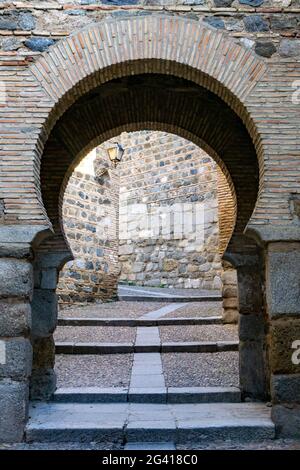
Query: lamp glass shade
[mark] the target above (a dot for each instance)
(115, 153)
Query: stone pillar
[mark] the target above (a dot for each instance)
(283, 305)
(252, 327)
(15, 348)
(229, 293)
(44, 321)
(249, 266)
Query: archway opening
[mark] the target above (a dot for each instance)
(147, 237)
(155, 102)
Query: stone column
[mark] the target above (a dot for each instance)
(252, 327)
(283, 305)
(44, 321)
(249, 265)
(16, 285)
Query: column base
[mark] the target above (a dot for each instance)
(287, 420)
(13, 410)
(42, 384)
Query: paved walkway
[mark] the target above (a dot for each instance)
(170, 343)
(126, 292)
(145, 394)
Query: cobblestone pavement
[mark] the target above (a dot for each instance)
(150, 369)
(111, 370)
(112, 310)
(197, 309)
(201, 370)
(180, 369)
(198, 333)
(160, 291)
(85, 334)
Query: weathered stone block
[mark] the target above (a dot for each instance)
(283, 333)
(282, 280)
(265, 48)
(289, 48)
(15, 318)
(255, 23)
(42, 384)
(49, 278)
(230, 302)
(16, 278)
(43, 353)
(11, 44)
(215, 22)
(251, 327)
(229, 277)
(17, 359)
(285, 388)
(249, 289)
(39, 44)
(287, 420)
(13, 410)
(44, 312)
(230, 316)
(252, 3)
(252, 369)
(229, 291)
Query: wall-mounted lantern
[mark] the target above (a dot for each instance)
(115, 152)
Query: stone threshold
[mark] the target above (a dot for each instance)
(157, 298)
(135, 322)
(149, 395)
(127, 348)
(155, 422)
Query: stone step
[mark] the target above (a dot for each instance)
(150, 446)
(164, 395)
(135, 422)
(135, 322)
(126, 348)
(169, 299)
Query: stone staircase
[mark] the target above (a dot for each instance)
(147, 410)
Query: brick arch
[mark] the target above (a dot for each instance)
(137, 45)
(155, 102)
(228, 225)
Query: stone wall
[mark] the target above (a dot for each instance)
(161, 175)
(90, 223)
(165, 184)
(269, 27)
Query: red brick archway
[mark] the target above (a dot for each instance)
(156, 73)
(136, 46)
(106, 58)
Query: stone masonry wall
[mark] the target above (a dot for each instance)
(158, 171)
(268, 26)
(89, 218)
(163, 175)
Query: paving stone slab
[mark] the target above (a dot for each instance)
(150, 446)
(152, 298)
(147, 395)
(178, 321)
(203, 394)
(65, 422)
(126, 348)
(93, 348)
(91, 395)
